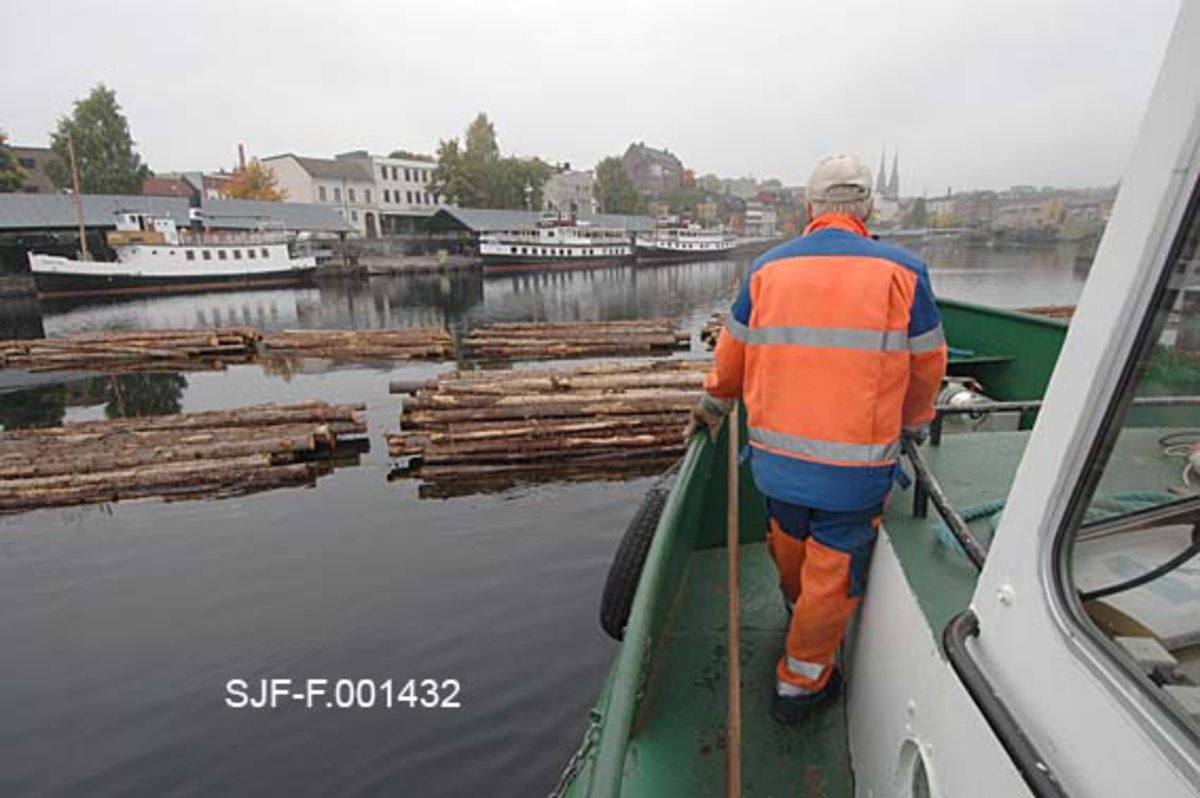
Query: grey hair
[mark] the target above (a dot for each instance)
(860, 208)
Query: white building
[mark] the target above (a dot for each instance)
(761, 220)
(570, 191)
(404, 189)
(346, 185)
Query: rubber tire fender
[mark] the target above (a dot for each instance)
(626, 570)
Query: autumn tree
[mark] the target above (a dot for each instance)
(11, 173)
(614, 191)
(255, 182)
(104, 151)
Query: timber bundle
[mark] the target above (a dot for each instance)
(141, 350)
(417, 343)
(213, 454)
(560, 340)
(473, 431)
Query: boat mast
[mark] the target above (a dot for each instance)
(78, 199)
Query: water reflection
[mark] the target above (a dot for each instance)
(112, 396)
(20, 317)
(1010, 277)
(451, 299)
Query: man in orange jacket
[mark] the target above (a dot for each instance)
(835, 346)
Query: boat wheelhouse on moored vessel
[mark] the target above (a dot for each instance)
(153, 255)
(557, 242)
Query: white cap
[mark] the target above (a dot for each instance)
(839, 178)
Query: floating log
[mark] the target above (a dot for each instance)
(485, 428)
(128, 351)
(418, 343)
(211, 350)
(1065, 312)
(506, 341)
(190, 455)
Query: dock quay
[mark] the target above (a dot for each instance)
(214, 454)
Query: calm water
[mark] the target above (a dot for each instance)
(121, 625)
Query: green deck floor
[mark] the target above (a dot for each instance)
(976, 468)
(678, 747)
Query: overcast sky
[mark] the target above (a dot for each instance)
(974, 94)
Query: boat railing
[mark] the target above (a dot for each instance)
(928, 490)
(620, 708)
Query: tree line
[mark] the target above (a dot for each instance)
(106, 158)
(471, 172)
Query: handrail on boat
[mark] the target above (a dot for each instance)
(1032, 766)
(929, 489)
(1030, 405)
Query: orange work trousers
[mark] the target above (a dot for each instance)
(822, 557)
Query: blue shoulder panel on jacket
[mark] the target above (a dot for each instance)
(924, 314)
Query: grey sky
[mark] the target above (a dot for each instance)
(974, 94)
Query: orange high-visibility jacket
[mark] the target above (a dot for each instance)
(835, 344)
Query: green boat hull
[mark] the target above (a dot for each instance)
(658, 726)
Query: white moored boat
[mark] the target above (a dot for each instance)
(679, 242)
(153, 256)
(556, 242)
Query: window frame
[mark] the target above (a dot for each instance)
(1118, 667)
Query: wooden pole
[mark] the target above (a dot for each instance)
(78, 198)
(734, 741)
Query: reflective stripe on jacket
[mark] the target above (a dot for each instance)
(835, 344)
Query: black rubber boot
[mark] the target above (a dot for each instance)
(790, 710)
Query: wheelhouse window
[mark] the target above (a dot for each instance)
(251, 254)
(207, 255)
(1127, 555)
(266, 253)
(237, 254)
(220, 254)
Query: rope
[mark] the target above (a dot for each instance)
(1101, 507)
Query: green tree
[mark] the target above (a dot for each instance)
(11, 173)
(481, 140)
(614, 191)
(918, 214)
(478, 176)
(410, 156)
(104, 152)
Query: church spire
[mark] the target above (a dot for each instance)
(880, 179)
(893, 185)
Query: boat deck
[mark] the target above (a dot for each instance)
(679, 746)
(977, 468)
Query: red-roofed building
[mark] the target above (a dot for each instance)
(168, 187)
